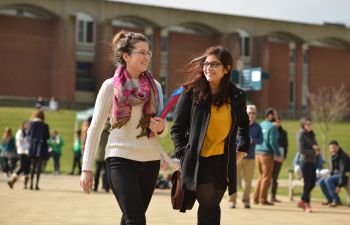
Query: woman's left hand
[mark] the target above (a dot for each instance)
(156, 125)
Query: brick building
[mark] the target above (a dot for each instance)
(62, 49)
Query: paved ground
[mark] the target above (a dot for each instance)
(61, 202)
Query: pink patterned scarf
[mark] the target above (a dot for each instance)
(126, 95)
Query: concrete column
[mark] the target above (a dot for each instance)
(63, 59)
(260, 58)
(103, 66)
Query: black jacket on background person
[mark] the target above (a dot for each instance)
(188, 148)
(341, 165)
(38, 134)
(305, 141)
(283, 140)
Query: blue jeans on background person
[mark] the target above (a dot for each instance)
(56, 162)
(328, 186)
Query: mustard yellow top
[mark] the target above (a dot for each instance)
(218, 129)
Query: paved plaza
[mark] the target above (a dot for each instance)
(61, 202)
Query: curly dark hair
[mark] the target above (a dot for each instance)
(198, 83)
(123, 42)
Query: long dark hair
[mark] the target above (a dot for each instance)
(198, 83)
(23, 129)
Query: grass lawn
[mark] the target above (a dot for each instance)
(63, 121)
(340, 131)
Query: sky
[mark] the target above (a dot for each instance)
(304, 11)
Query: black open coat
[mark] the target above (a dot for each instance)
(195, 119)
(38, 134)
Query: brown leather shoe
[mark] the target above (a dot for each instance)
(307, 208)
(301, 204)
(275, 200)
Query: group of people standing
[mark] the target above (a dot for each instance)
(268, 149)
(212, 132)
(28, 151)
(309, 153)
(31, 147)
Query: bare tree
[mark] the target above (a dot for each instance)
(328, 106)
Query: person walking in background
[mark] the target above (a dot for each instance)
(331, 185)
(100, 160)
(131, 99)
(22, 144)
(266, 153)
(38, 134)
(77, 152)
(213, 111)
(321, 172)
(308, 149)
(56, 143)
(283, 147)
(246, 166)
(83, 134)
(8, 153)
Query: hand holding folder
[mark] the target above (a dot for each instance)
(171, 102)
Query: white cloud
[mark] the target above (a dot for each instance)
(305, 11)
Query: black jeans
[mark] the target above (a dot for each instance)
(276, 171)
(24, 165)
(132, 183)
(309, 175)
(101, 166)
(56, 162)
(76, 162)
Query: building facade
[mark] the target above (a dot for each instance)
(63, 49)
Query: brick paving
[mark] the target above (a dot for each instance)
(61, 202)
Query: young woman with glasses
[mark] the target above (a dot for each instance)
(212, 112)
(308, 150)
(131, 99)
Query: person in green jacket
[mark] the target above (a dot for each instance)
(266, 153)
(56, 143)
(77, 147)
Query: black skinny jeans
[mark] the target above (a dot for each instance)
(132, 183)
(276, 171)
(101, 166)
(309, 175)
(76, 162)
(24, 165)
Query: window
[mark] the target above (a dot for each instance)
(85, 29)
(292, 56)
(245, 44)
(85, 81)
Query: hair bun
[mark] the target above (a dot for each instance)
(120, 35)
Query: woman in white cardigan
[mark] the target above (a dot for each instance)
(131, 99)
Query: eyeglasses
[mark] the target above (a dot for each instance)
(144, 53)
(211, 64)
(308, 124)
(253, 113)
